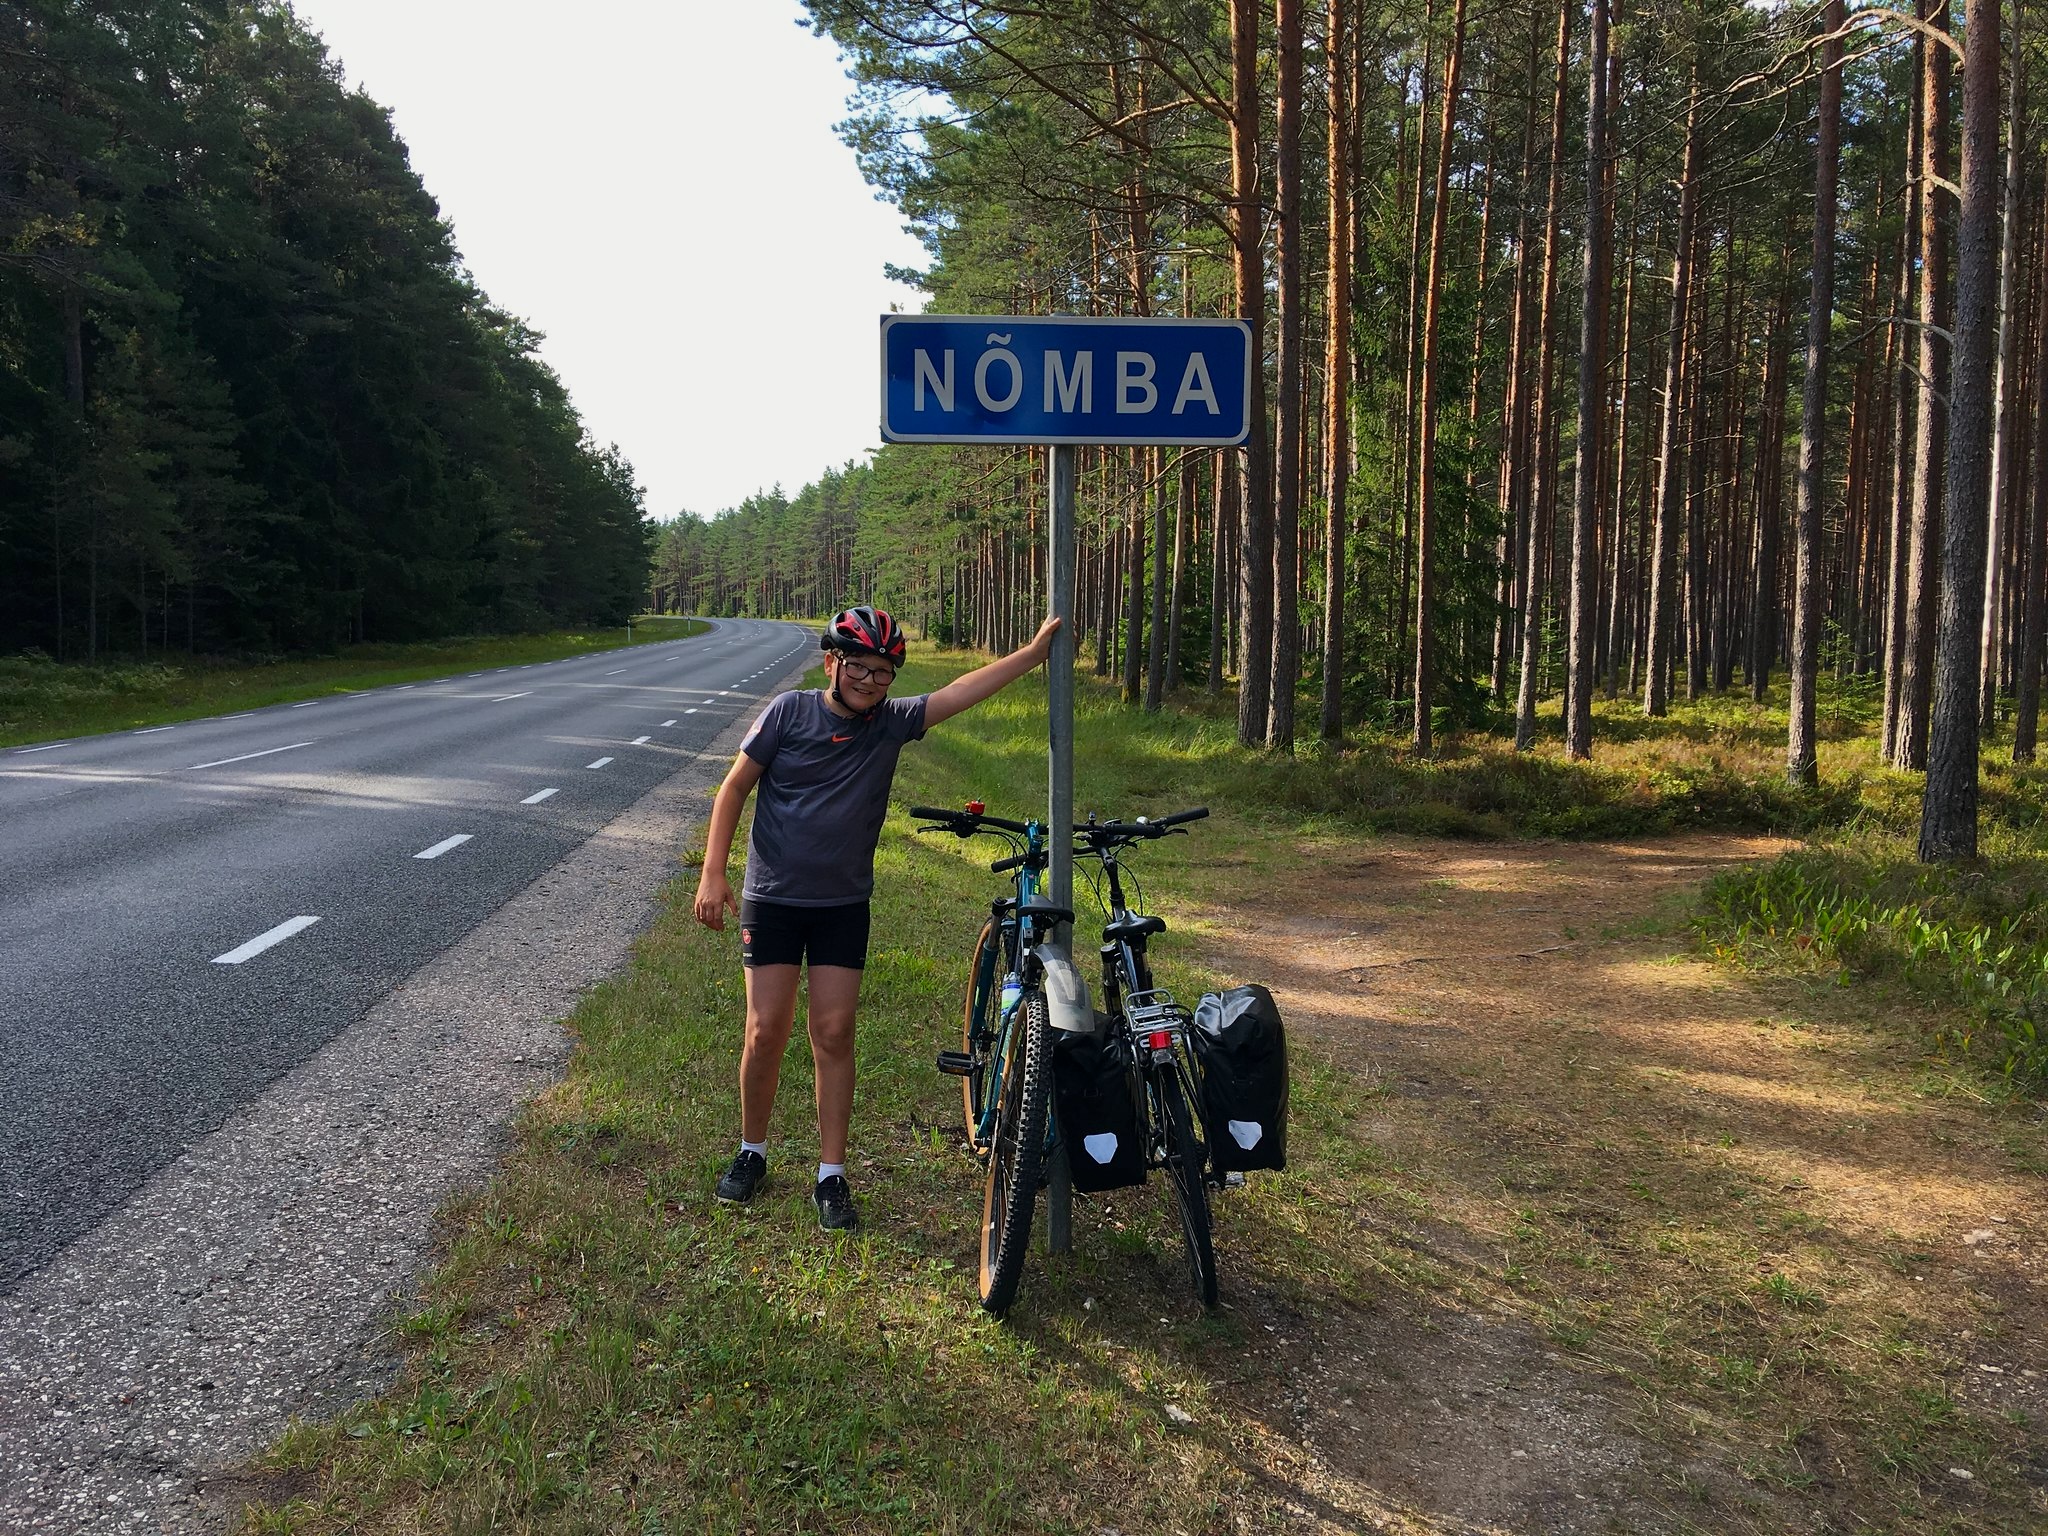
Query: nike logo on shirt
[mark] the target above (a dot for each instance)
(842, 738)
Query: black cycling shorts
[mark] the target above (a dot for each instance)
(774, 934)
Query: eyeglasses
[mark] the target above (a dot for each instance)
(860, 672)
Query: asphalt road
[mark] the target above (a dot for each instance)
(186, 913)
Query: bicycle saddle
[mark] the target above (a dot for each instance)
(1133, 927)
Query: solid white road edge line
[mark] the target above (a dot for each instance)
(535, 799)
(598, 764)
(263, 941)
(444, 845)
(222, 762)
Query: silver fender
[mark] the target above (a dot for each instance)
(1066, 991)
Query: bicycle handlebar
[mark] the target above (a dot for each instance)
(1098, 833)
(967, 823)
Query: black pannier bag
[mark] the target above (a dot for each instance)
(1095, 1096)
(1241, 1048)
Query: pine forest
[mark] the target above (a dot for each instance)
(250, 399)
(1638, 354)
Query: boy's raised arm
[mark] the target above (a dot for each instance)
(970, 689)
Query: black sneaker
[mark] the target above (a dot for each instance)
(739, 1182)
(835, 1204)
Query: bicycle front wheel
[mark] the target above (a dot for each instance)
(977, 1030)
(1016, 1151)
(1183, 1159)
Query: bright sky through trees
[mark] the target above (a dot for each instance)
(658, 188)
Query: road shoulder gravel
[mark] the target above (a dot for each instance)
(252, 1279)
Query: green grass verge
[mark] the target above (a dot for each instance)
(41, 700)
(605, 1348)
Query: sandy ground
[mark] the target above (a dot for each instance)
(1538, 1046)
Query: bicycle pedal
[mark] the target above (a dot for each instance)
(956, 1063)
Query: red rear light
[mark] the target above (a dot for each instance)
(976, 807)
(1161, 1040)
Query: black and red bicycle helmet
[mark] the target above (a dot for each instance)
(865, 631)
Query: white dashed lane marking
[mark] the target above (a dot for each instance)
(668, 722)
(307, 705)
(640, 741)
(444, 845)
(222, 762)
(598, 764)
(526, 695)
(156, 730)
(263, 941)
(536, 798)
(53, 746)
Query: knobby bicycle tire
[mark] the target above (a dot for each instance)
(1184, 1177)
(977, 1027)
(1016, 1152)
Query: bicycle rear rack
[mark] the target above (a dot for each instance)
(1156, 1013)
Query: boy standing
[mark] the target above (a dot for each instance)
(823, 759)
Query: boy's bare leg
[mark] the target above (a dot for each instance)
(835, 991)
(771, 1011)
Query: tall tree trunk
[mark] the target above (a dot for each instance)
(1931, 440)
(1223, 527)
(1905, 433)
(1402, 545)
(1255, 542)
(1183, 531)
(2007, 386)
(1657, 662)
(1585, 580)
(1426, 534)
(1546, 457)
(1514, 438)
(1801, 762)
(1134, 576)
(1763, 611)
(1948, 809)
(2027, 713)
(1287, 370)
(1336, 373)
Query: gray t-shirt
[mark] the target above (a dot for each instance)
(819, 806)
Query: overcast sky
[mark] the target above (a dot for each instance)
(655, 184)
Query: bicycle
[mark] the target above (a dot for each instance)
(1004, 1061)
(1153, 1030)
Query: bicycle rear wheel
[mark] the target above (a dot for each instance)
(1016, 1152)
(978, 1029)
(1183, 1159)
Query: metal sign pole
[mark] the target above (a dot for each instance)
(1060, 769)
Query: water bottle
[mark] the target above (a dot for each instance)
(1013, 988)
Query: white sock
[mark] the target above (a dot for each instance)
(827, 1170)
(758, 1148)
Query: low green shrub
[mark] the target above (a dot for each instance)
(1974, 938)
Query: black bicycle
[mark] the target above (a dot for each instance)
(1004, 1062)
(1151, 1031)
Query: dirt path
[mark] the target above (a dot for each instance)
(1654, 1244)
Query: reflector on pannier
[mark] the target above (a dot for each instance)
(1241, 1048)
(1095, 1095)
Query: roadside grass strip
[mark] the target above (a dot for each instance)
(40, 698)
(605, 1348)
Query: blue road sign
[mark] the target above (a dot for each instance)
(1065, 379)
